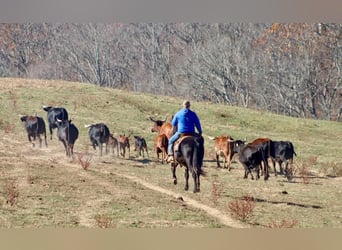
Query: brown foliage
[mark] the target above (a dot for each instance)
(242, 209)
(103, 221)
(11, 192)
(283, 224)
(216, 191)
(84, 161)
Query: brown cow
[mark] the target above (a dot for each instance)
(113, 143)
(162, 127)
(226, 147)
(160, 145)
(124, 143)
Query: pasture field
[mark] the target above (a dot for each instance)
(42, 188)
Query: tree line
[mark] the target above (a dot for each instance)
(291, 69)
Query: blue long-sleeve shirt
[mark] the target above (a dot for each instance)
(186, 121)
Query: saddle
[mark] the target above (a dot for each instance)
(181, 138)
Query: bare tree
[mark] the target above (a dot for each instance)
(292, 69)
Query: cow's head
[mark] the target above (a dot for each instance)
(157, 124)
(23, 118)
(63, 122)
(28, 118)
(124, 140)
(237, 144)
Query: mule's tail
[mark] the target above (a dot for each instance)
(198, 155)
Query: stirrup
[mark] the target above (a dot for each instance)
(170, 159)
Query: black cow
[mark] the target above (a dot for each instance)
(282, 151)
(67, 133)
(98, 134)
(35, 126)
(251, 157)
(54, 114)
(140, 145)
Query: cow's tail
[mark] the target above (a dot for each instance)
(292, 148)
(103, 129)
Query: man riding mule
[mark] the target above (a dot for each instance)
(189, 152)
(184, 122)
(189, 149)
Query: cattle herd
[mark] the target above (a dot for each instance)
(68, 133)
(253, 156)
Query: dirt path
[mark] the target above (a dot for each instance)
(86, 214)
(224, 219)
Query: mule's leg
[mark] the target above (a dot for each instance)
(173, 170)
(195, 176)
(186, 175)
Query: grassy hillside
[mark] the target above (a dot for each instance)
(55, 191)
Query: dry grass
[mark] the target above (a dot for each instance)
(57, 193)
